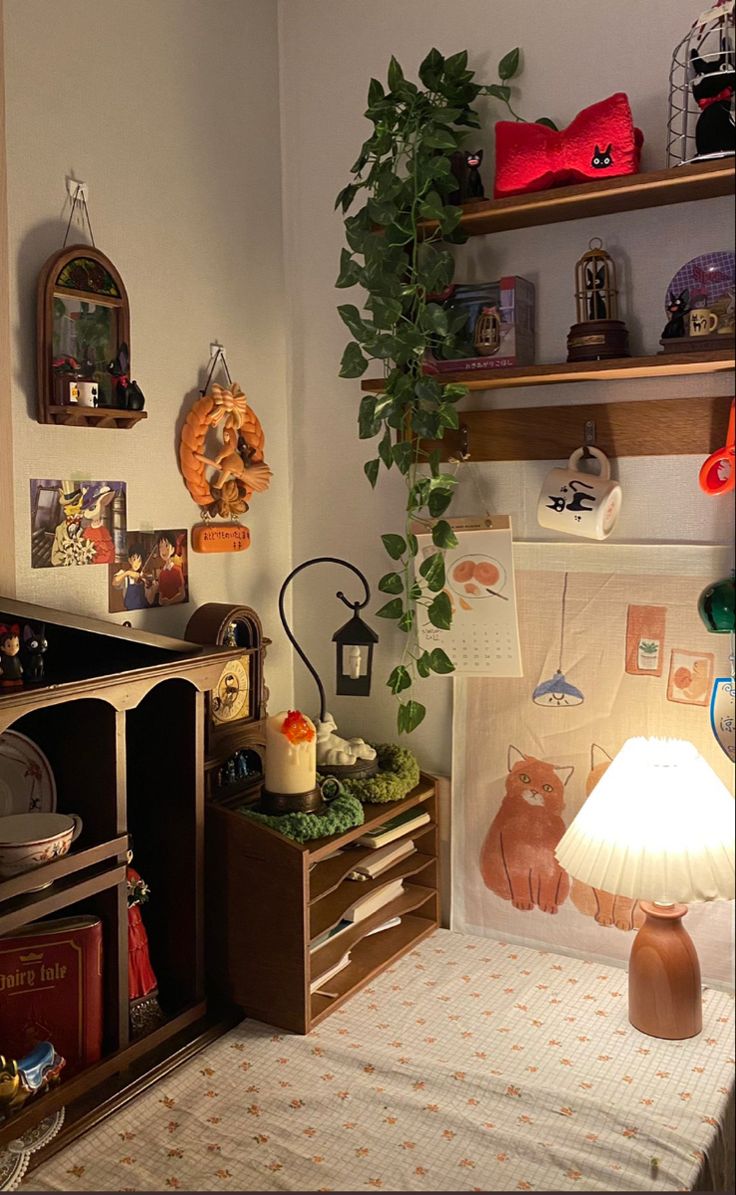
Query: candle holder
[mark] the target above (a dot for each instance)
(354, 644)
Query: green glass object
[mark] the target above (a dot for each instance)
(716, 606)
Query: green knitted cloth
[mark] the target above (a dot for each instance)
(398, 774)
(341, 814)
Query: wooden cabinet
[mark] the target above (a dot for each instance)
(120, 718)
(269, 897)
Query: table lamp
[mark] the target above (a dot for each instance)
(658, 827)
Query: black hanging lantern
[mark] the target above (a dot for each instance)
(354, 663)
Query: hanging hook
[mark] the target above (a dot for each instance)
(588, 437)
(218, 357)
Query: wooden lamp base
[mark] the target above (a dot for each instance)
(598, 340)
(665, 997)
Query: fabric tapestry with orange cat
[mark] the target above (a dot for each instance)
(523, 768)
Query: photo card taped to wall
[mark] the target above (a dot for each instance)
(77, 522)
(154, 572)
(483, 639)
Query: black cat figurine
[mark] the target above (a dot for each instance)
(474, 183)
(713, 89)
(35, 646)
(677, 309)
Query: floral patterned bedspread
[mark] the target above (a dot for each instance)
(470, 1065)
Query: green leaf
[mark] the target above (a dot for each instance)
(403, 454)
(346, 196)
(406, 622)
(499, 91)
(368, 424)
(352, 319)
(370, 468)
(392, 609)
(353, 363)
(384, 450)
(443, 536)
(391, 583)
(399, 679)
(349, 270)
(438, 502)
(385, 312)
(440, 138)
(454, 391)
(509, 64)
(440, 662)
(430, 69)
(395, 74)
(395, 545)
(410, 715)
(433, 571)
(456, 64)
(412, 543)
(439, 612)
(415, 592)
(423, 665)
(449, 417)
(545, 120)
(375, 92)
(434, 462)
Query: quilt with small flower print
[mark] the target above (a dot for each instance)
(469, 1065)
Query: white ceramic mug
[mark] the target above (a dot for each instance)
(580, 503)
(28, 840)
(702, 321)
(87, 394)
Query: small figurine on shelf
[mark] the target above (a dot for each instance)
(599, 333)
(145, 1011)
(87, 386)
(487, 332)
(677, 308)
(474, 183)
(127, 394)
(35, 646)
(713, 89)
(31, 1074)
(11, 669)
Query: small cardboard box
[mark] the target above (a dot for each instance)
(513, 297)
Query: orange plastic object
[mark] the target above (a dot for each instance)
(717, 472)
(224, 537)
(297, 728)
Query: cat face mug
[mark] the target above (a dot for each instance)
(580, 503)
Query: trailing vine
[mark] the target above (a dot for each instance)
(404, 176)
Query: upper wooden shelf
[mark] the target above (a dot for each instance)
(679, 184)
(76, 416)
(661, 366)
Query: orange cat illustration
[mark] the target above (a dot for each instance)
(517, 859)
(607, 909)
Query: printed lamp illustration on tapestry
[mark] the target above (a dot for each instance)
(557, 691)
(601, 142)
(222, 482)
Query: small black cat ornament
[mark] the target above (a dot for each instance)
(713, 89)
(35, 646)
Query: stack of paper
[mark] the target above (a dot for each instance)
(364, 906)
(396, 827)
(384, 858)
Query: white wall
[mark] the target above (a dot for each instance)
(169, 110)
(574, 54)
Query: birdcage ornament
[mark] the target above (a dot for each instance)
(487, 332)
(700, 120)
(598, 333)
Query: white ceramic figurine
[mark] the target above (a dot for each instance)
(333, 750)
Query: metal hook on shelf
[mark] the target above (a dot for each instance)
(589, 436)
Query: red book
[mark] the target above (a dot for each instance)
(51, 989)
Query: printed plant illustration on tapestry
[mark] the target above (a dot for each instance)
(523, 767)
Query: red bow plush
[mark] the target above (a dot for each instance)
(599, 143)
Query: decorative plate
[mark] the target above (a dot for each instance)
(27, 783)
(476, 576)
(707, 278)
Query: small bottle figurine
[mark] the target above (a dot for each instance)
(145, 1011)
(487, 332)
(11, 669)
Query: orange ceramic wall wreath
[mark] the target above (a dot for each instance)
(222, 484)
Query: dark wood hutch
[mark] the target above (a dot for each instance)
(121, 719)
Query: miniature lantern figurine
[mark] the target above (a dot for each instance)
(354, 642)
(487, 334)
(599, 333)
(700, 122)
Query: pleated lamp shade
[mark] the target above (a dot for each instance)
(658, 826)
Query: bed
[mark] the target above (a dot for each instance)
(470, 1065)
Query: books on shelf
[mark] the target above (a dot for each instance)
(328, 934)
(366, 905)
(382, 859)
(318, 983)
(392, 921)
(51, 989)
(395, 827)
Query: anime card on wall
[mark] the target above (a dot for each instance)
(154, 572)
(77, 522)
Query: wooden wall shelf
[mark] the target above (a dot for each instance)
(93, 416)
(619, 369)
(630, 192)
(652, 427)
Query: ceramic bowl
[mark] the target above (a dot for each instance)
(28, 840)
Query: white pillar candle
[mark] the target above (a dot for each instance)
(291, 753)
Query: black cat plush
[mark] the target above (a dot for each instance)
(713, 89)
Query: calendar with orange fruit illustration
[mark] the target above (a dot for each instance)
(483, 639)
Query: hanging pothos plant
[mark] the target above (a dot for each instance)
(404, 175)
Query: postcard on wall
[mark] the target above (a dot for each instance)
(483, 639)
(155, 572)
(77, 522)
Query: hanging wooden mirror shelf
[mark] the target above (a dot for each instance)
(83, 343)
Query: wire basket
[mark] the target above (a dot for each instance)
(702, 74)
